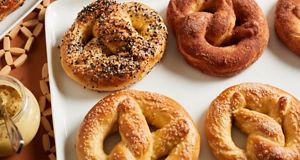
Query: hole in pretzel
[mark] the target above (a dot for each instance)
(152, 128)
(111, 141)
(209, 10)
(162, 158)
(208, 6)
(239, 138)
(238, 22)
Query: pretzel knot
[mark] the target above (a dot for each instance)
(268, 115)
(287, 23)
(131, 111)
(112, 45)
(219, 37)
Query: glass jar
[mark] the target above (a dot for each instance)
(26, 118)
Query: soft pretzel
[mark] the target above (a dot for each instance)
(219, 37)
(8, 6)
(287, 23)
(267, 114)
(176, 137)
(112, 45)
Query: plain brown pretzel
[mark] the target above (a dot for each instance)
(219, 37)
(287, 23)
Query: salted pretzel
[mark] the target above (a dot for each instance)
(219, 37)
(287, 23)
(8, 6)
(112, 45)
(129, 112)
(270, 117)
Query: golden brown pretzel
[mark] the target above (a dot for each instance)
(112, 45)
(219, 37)
(287, 23)
(176, 137)
(7, 6)
(270, 117)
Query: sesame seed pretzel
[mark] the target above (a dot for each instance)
(287, 23)
(176, 137)
(112, 45)
(8, 6)
(270, 117)
(219, 37)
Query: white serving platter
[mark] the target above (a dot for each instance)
(172, 77)
(16, 16)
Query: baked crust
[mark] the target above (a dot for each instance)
(268, 115)
(287, 23)
(8, 6)
(129, 111)
(219, 37)
(112, 45)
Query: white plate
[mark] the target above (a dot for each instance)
(172, 77)
(16, 16)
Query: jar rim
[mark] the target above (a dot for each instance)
(16, 84)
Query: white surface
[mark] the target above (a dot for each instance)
(16, 16)
(172, 77)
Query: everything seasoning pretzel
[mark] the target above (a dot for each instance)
(219, 37)
(112, 45)
(270, 117)
(128, 112)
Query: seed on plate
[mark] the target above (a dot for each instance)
(48, 97)
(29, 44)
(5, 70)
(26, 32)
(44, 87)
(52, 149)
(41, 15)
(13, 33)
(46, 124)
(17, 51)
(47, 112)
(6, 43)
(2, 52)
(20, 60)
(8, 58)
(46, 142)
(30, 23)
(52, 156)
(51, 133)
(45, 71)
(42, 103)
(46, 3)
(38, 29)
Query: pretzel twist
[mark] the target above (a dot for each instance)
(219, 37)
(112, 45)
(267, 114)
(176, 136)
(287, 23)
